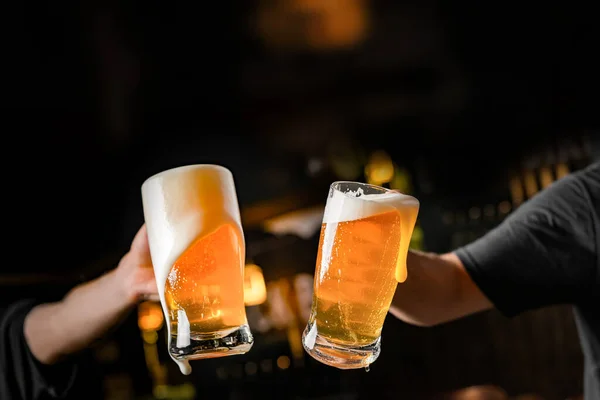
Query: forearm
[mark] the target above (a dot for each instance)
(86, 313)
(437, 290)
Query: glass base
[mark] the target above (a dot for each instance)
(218, 344)
(335, 355)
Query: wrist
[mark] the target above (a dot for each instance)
(122, 290)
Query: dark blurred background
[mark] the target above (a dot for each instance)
(472, 108)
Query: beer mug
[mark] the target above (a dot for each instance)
(198, 253)
(364, 242)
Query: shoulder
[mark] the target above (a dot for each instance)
(570, 204)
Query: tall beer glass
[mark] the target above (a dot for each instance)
(362, 252)
(198, 253)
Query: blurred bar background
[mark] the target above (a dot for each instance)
(471, 108)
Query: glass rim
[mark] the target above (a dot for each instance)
(185, 167)
(383, 189)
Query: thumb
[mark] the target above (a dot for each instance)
(141, 239)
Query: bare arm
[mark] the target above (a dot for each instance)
(438, 289)
(544, 253)
(90, 310)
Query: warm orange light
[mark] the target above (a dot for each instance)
(478, 392)
(150, 336)
(531, 187)
(283, 362)
(516, 191)
(546, 177)
(150, 316)
(379, 169)
(255, 290)
(562, 170)
(340, 23)
(313, 24)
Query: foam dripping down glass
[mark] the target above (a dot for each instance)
(198, 254)
(365, 236)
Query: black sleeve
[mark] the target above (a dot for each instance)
(22, 376)
(545, 252)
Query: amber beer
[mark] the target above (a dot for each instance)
(361, 258)
(198, 253)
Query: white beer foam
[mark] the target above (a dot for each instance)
(172, 215)
(354, 205)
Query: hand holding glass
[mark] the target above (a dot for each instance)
(198, 253)
(362, 253)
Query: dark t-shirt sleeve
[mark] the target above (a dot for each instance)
(545, 252)
(22, 376)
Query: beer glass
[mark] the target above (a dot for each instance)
(198, 253)
(363, 246)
